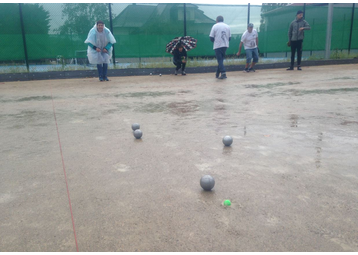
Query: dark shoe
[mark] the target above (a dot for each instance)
(106, 79)
(183, 73)
(176, 72)
(290, 68)
(223, 76)
(246, 70)
(217, 74)
(100, 79)
(299, 68)
(251, 70)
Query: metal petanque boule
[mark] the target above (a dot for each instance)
(135, 126)
(227, 140)
(207, 182)
(137, 133)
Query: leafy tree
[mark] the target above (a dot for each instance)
(36, 19)
(266, 7)
(81, 17)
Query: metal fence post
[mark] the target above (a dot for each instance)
(248, 13)
(111, 27)
(184, 19)
(329, 31)
(24, 38)
(350, 34)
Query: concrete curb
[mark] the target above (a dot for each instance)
(155, 71)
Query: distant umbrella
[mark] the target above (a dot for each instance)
(188, 43)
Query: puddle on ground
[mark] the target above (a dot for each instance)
(345, 123)
(36, 98)
(26, 114)
(151, 108)
(318, 150)
(121, 168)
(322, 91)
(271, 85)
(184, 107)
(146, 94)
(25, 99)
(184, 91)
(296, 92)
(294, 120)
(343, 78)
(219, 108)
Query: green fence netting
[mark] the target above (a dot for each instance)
(55, 31)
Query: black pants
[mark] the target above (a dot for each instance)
(296, 45)
(179, 65)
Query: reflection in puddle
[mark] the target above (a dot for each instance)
(294, 120)
(219, 108)
(227, 150)
(146, 94)
(345, 123)
(325, 91)
(270, 85)
(318, 150)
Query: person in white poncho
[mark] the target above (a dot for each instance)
(99, 52)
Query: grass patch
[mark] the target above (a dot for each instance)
(340, 54)
(315, 57)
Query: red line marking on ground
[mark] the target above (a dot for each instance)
(64, 171)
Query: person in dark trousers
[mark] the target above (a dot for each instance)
(220, 35)
(295, 38)
(100, 46)
(179, 59)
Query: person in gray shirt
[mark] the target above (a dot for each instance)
(295, 38)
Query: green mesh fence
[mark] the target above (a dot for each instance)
(56, 31)
(354, 40)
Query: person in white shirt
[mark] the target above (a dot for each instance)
(251, 41)
(220, 35)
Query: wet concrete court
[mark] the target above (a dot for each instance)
(291, 173)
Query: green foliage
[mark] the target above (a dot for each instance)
(81, 17)
(36, 19)
(338, 54)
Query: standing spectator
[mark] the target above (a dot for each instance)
(251, 41)
(295, 38)
(99, 51)
(220, 35)
(179, 59)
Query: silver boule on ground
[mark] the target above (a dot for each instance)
(137, 133)
(207, 182)
(135, 126)
(227, 140)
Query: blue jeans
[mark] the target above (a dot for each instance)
(220, 56)
(252, 53)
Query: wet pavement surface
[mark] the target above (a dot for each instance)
(291, 173)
